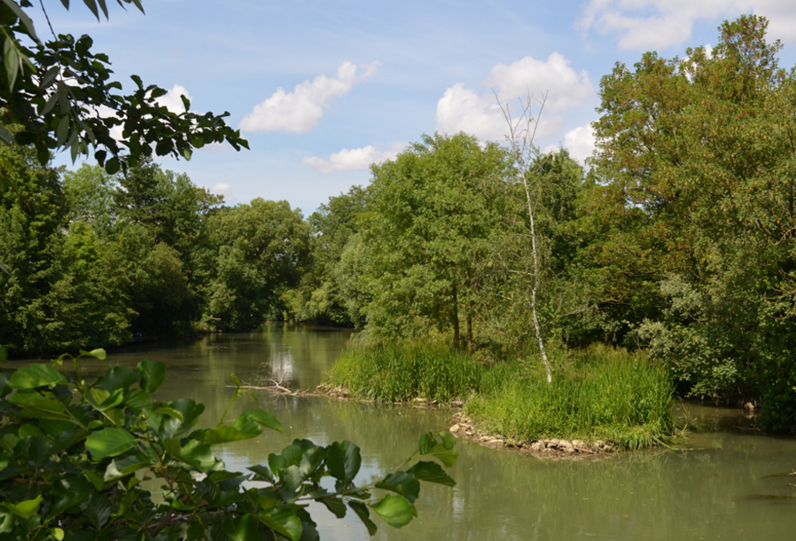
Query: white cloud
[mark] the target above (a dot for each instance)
(172, 100)
(465, 109)
(655, 24)
(566, 88)
(224, 189)
(299, 111)
(580, 142)
(354, 159)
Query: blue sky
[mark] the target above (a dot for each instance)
(323, 88)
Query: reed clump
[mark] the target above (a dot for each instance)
(399, 372)
(597, 393)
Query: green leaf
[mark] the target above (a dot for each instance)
(289, 522)
(25, 509)
(404, 483)
(63, 130)
(167, 426)
(37, 406)
(103, 400)
(446, 456)
(92, 5)
(224, 434)
(98, 353)
(242, 528)
(51, 103)
(344, 460)
(8, 139)
(98, 510)
(336, 506)
(125, 465)
(152, 375)
(427, 442)
(165, 410)
(11, 59)
(395, 510)
(262, 473)
(137, 400)
(432, 473)
(23, 18)
(448, 440)
(199, 455)
(109, 442)
(292, 477)
(260, 417)
(364, 515)
(35, 375)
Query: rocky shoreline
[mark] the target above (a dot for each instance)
(464, 427)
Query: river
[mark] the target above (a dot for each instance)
(722, 484)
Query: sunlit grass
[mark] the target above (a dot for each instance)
(598, 393)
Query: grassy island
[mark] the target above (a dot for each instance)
(599, 393)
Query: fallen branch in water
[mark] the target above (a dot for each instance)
(275, 387)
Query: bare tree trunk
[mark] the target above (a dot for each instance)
(469, 303)
(455, 320)
(522, 132)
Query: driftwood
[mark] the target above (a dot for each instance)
(275, 387)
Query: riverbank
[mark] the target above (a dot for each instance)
(608, 399)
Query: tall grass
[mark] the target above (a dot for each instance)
(598, 393)
(397, 372)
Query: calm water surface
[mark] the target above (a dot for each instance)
(722, 485)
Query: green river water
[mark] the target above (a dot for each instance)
(722, 484)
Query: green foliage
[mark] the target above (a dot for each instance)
(52, 90)
(73, 458)
(431, 217)
(260, 250)
(597, 393)
(693, 217)
(325, 293)
(401, 371)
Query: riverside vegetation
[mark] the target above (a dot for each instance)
(677, 241)
(598, 394)
(90, 262)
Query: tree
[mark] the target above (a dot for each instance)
(319, 296)
(522, 132)
(260, 250)
(695, 157)
(431, 214)
(54, 91)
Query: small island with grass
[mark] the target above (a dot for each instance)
(601, 399)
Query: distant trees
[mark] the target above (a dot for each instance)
(97, 258)
(259, 250)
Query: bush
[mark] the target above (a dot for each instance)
(73, 456)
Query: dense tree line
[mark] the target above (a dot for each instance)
(95, 259)
(677, 239)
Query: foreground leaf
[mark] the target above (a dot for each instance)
(109, 442)
(35, 375)
(344, 460)
(395, 510)
(432, 473)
